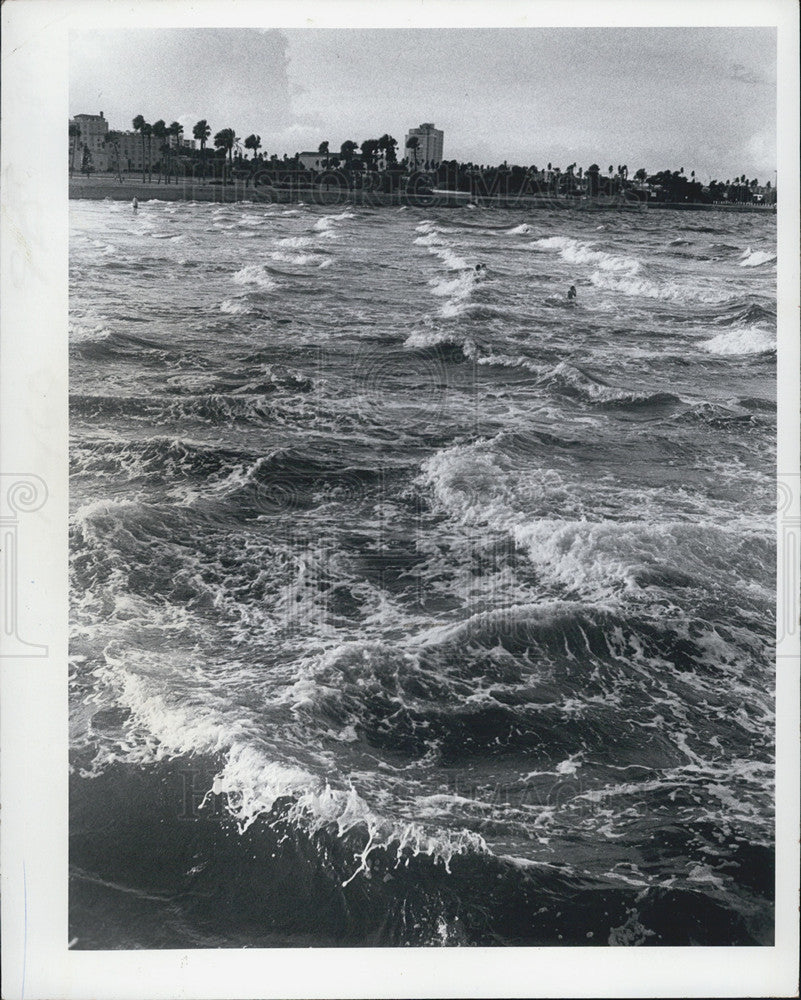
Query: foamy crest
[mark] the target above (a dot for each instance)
(750, 340)
(670, 291)
(433, 336)
(296, 242)
(299, 259)
(519, 230)
(80, 334)
(602, 559)
(513, 361)
(253, 780)
(233, 306)
(254, 274)
(327, 223)
(575, 252)
(753, 258)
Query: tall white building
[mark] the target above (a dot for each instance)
(429, 145)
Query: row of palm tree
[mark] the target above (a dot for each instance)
(160, 131)
(226, 140)
(573, 180)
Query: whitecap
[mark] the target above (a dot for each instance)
(254, 274)
(754, 258)
(233, 306)
(748, 340)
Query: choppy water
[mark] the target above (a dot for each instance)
(461, 594)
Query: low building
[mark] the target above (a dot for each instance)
(314, 160)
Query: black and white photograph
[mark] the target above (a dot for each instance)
(421, 515)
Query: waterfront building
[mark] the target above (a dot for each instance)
(89, 144)
(429, 144)
(314, 160)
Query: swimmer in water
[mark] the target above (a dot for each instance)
(571, 292)
(135, 204)
(481, 267)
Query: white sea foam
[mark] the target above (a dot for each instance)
(254, 781)
(513, 361)
(433, 336)
(479, 487)
(254, 274)
(326, 223)
(233, 306)
(81, 334)
(300, 259)
(519, 230)
(670, 291)
(296, 242)
(576, 252)
(748, 340)
(753, 258)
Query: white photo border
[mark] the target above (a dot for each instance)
(33, 442)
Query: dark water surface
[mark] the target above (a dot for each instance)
(412, 605)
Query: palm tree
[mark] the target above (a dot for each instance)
(201, 131)
(113, 139)
(413, 142)
(369, 148)
(176, 129)
(225, 139)
(347, 150)
(253, 142)
(75, 134)
(147, 130)
(139, 126)
(388, 145)
(160, 132)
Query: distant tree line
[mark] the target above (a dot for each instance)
(374, 165)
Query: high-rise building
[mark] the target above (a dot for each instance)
(429, 145)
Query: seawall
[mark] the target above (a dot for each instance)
(99, 188)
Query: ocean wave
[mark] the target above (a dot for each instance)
(576, 252)
(573, 381)
(255, 274)
(718, 415)
(514, 361)
(211, 408)
(80, 333)
(669, 291)
(301, 259)
(478, 485)
(755, 258)
(751, 340)
(519, 230)
(426, 337)
(745, 313)
(603, 559)
(296, 242)
(152, 460)
(234, 307)
(326, 225)
(100, 342)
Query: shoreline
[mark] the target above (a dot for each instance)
(100, 189)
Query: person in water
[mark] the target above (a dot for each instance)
(571, 292)
(135, 204)
(481, 267)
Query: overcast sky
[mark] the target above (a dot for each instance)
(699, 98)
